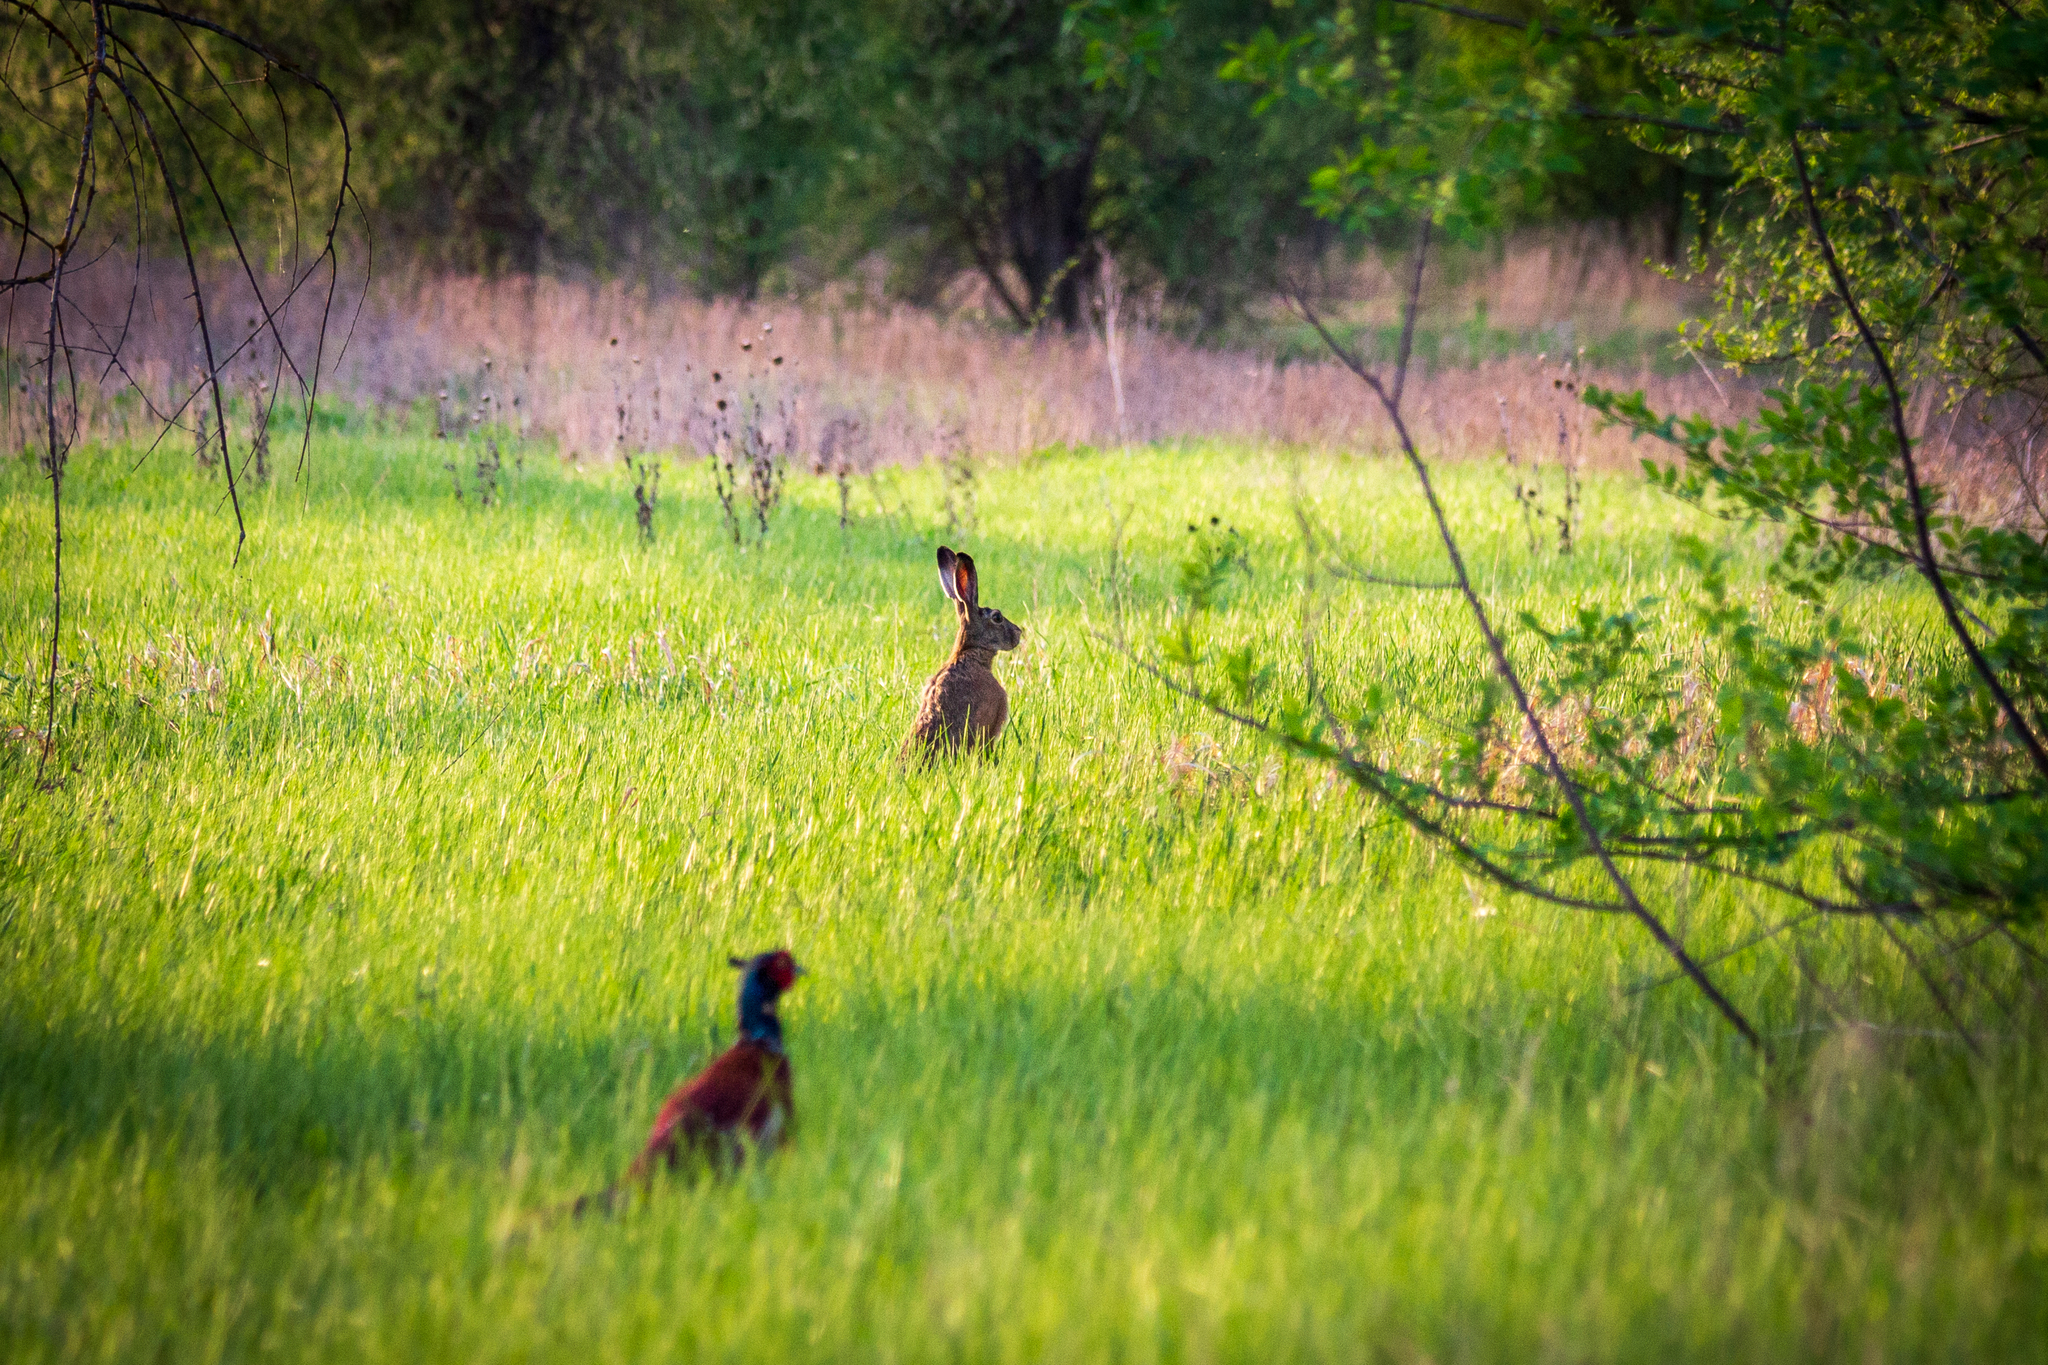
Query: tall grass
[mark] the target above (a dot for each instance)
(391, 876)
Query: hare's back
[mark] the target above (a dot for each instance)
(966, 702)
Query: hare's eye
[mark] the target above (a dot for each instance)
(994, 615)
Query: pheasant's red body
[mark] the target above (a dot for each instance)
(744, 1093)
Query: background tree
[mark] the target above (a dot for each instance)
(522, 134)
(714, 143)
(991, 146)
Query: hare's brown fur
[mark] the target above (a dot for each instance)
(964, 705)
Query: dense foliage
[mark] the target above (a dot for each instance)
(1896, 157)
(1887, 226)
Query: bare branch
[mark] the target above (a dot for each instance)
(1409, 313)
(136, 149)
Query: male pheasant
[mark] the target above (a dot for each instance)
(743, 1096)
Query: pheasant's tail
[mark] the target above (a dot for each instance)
(521, 1228)
(605, 1201)
(613, 1197)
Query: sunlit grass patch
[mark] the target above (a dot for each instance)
(392, 874)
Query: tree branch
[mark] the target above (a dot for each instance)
(1930, 567)
(1505, 670)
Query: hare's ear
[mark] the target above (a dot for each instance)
(970, 582)
(947, 582)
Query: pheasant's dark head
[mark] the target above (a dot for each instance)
(763, 979)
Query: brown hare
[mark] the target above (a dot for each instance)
(963, 706)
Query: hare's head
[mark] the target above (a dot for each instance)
(980, 627)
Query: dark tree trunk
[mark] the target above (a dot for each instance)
(1046, 228)
(1037, 219)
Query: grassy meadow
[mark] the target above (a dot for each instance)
(393, 871)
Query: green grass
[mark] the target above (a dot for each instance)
(337, 961)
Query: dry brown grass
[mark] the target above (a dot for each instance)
(1581, 282)
(608, 369)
